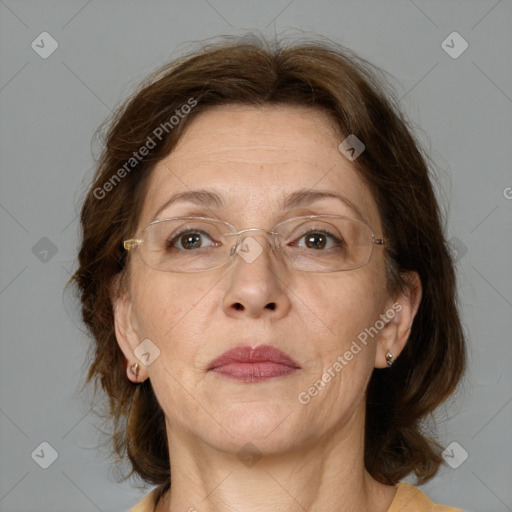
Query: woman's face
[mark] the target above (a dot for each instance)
(254, 158)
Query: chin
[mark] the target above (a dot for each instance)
(269, 427)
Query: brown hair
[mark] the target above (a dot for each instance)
(357, 97)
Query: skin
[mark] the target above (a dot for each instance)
(312, 454)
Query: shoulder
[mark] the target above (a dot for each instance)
(147, 503)
(409, 498)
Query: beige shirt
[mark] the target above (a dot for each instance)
(407, 499)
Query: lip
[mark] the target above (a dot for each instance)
(247, 364)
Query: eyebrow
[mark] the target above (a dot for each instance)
(210, 199)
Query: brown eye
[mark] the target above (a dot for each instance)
(188, 240)
(319, 239)
(316, 241)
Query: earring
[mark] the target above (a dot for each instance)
(389, 359)
(135, 369)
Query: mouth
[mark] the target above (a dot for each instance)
(247, 364)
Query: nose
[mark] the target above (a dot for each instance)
(258, 279)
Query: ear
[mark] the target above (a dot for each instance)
(126, 330)
(400, 315)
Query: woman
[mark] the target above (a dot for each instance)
(264, 272)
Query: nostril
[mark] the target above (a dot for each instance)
(238, 306)
(271, 305)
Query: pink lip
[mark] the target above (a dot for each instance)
(247, 364)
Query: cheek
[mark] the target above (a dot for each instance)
(160, 301)
(176, 312)
(344, 354)
(338, 308)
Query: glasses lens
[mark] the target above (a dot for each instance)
(184, 245)
(326, 244)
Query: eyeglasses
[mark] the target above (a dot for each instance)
(315, 243)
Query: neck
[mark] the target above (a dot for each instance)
(328, 474)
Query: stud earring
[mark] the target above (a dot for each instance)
(389, 359)
(135, 369)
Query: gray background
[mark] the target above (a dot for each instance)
(49, 109)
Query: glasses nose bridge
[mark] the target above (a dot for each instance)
(241, 236)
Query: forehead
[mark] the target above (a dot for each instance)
(255, 157)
